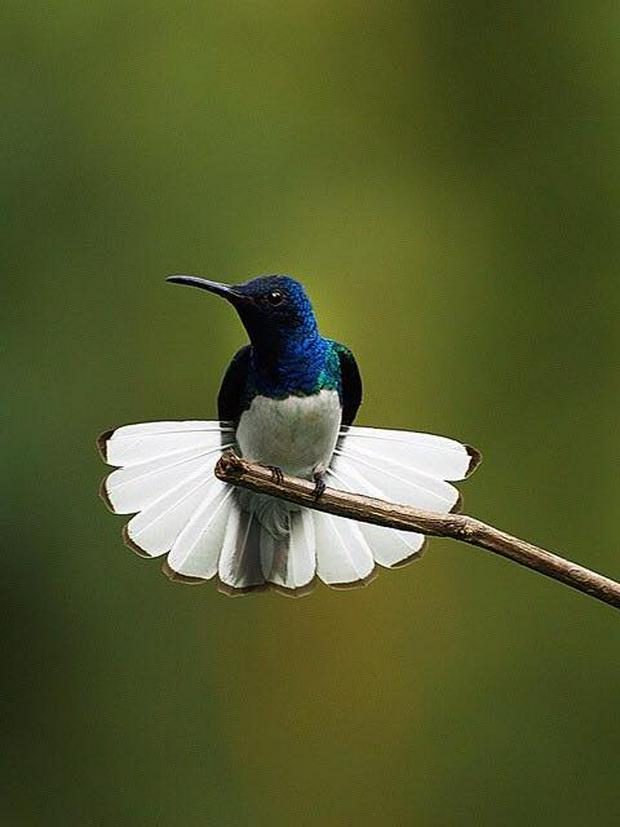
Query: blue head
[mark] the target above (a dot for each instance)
(274, 309)
(288, 354)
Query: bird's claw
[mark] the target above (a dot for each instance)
(276, 474)
(319, 483)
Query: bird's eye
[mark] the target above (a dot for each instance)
(275, 297)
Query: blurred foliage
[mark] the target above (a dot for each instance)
(445, 178)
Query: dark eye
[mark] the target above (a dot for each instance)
(275, 297)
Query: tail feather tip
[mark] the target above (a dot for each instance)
(132, 545)
(102, 443)
(475, 458)
(177, 577)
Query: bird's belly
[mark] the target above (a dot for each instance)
(296, 434)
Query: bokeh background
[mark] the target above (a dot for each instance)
(445, 178)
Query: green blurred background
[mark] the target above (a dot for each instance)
(445, 178)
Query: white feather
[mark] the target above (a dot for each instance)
(295, 434)
(301, 563)
(399, 466)
(435, 456)
(166, 475)
(135, 444)
(196, 550)
(134, 487)
(400, 484)
(271, 512)
(240, 564)
(389, 546)
(273, 553)
(343, 555)
(290, 560)
(155, 529)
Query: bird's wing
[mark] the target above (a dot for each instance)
(231, 397)
(351, 383)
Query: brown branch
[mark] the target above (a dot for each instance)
(236, 471)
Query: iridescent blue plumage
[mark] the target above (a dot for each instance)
(287, 356)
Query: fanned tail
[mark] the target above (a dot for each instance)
(206, 528)
(405, 467)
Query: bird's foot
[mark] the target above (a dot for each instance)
(276, 474)
(320, 485)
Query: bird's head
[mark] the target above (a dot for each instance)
(272, 307)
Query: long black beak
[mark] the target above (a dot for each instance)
(224, 290)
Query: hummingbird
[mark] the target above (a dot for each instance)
(287, 400)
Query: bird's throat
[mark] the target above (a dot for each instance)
(293, 365)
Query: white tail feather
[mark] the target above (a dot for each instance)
(135, 487)
(240, 564)
(208, 528)
(133, 444)
(435, 456)
(301, 562)
(401, 485)
(342, 554)
(196, 550)
(290, 560)
(389, 546)
(155, 529)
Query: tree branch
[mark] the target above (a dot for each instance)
(236, 471)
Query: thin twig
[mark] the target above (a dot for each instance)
(237, 471)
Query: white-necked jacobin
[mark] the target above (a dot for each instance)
(287, 401)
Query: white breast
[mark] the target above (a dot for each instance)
(296, 434)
